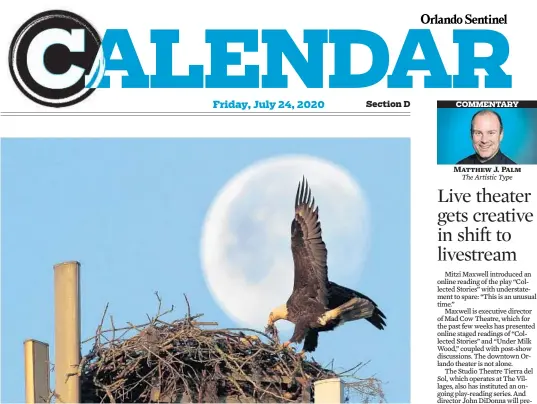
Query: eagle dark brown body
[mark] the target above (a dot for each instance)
(316, 304)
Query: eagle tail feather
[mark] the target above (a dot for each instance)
(378, 319)
(356, 309)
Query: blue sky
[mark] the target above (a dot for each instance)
(131, 211)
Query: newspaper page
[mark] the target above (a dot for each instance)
(237, 201)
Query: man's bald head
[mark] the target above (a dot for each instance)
(487, 132)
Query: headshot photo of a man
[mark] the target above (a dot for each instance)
(486, 133)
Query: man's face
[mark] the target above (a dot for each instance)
(486, 135)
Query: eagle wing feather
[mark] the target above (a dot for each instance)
(308, 247)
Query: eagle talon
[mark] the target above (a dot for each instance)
(285, 346)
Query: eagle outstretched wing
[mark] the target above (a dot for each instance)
(308, 248)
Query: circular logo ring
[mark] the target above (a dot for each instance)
(51, 54)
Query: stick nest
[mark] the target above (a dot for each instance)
(189, 360)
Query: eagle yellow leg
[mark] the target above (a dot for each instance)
(335, 313)
(284, 346)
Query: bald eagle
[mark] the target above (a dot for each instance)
(317, 304)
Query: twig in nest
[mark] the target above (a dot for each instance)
(79, 367)
(188, 316)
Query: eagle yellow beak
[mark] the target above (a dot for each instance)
(279, 313)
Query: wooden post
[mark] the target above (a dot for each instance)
(67, 330)
(36, 371)
(328, 391)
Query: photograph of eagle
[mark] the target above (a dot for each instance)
(317, 304)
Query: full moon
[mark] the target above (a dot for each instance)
(246, 238)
